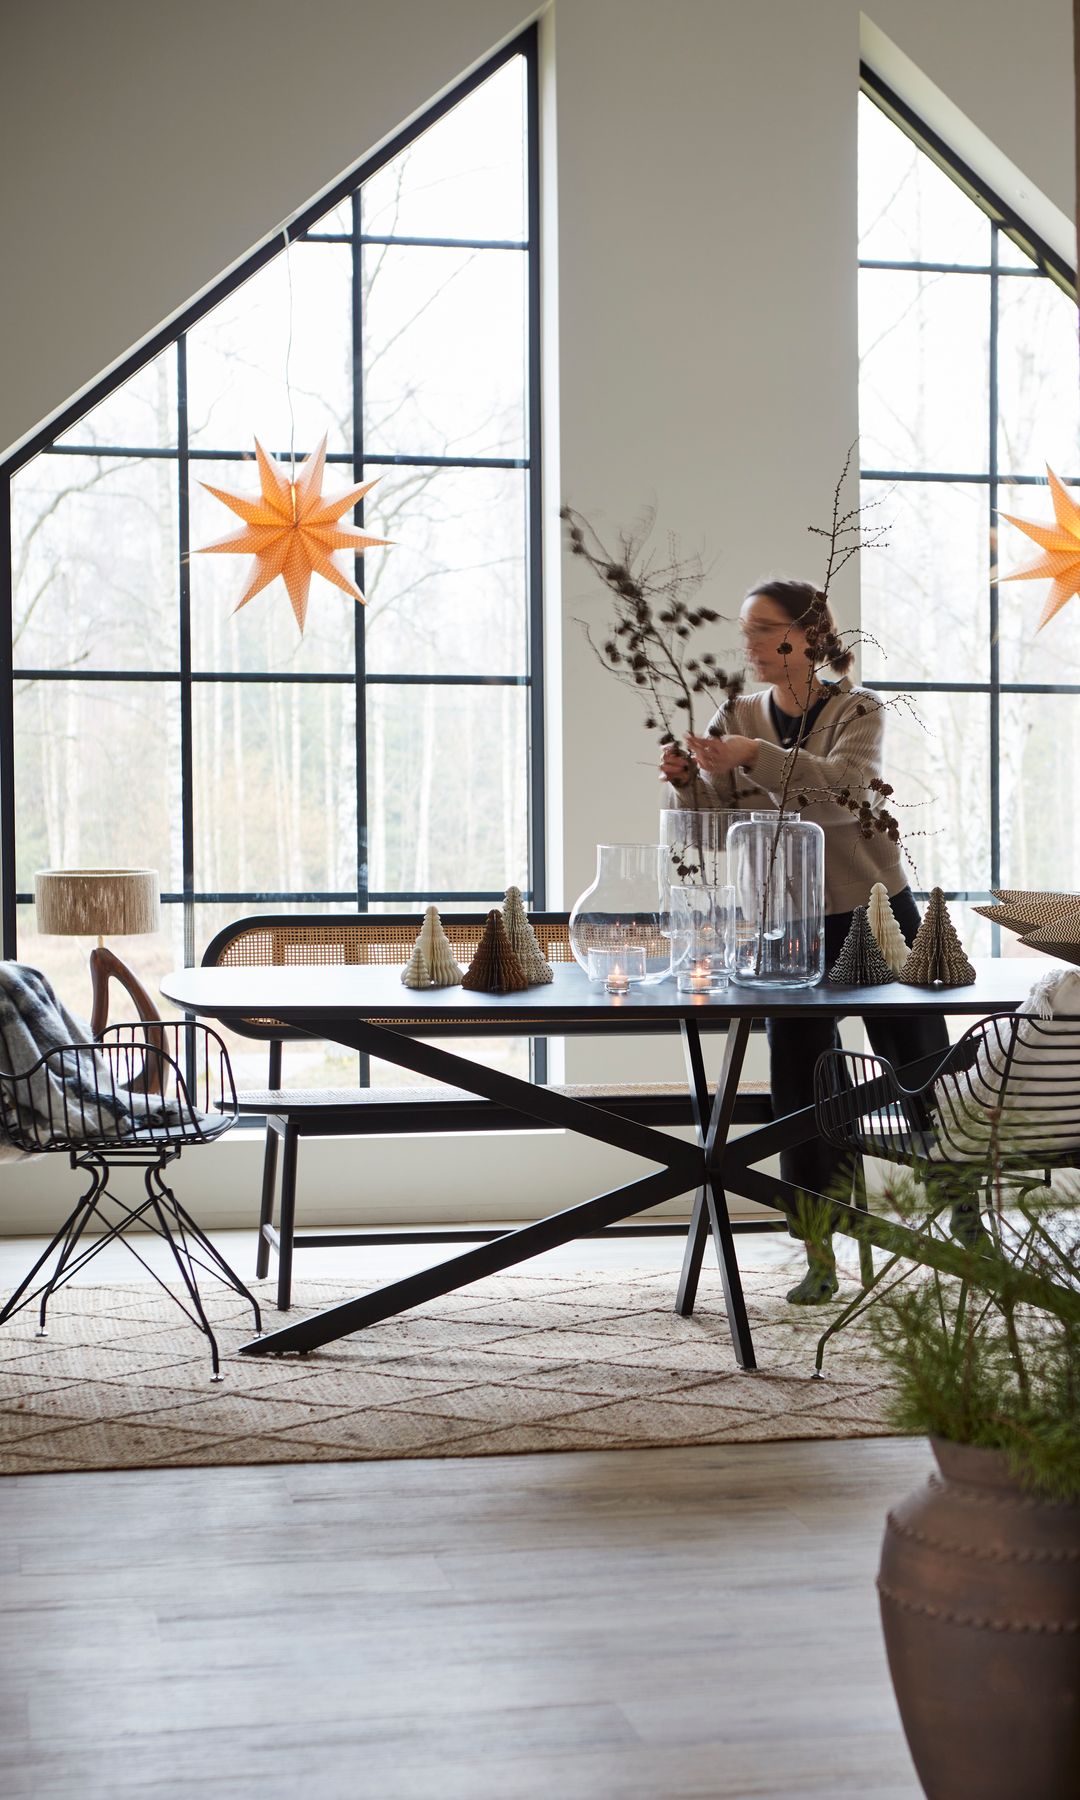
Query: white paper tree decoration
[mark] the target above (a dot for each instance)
(417, 971)
(887, 933)
(432, 961)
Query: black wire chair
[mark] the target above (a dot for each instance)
(1002, 1105)
(126, 1099)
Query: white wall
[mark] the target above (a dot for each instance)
(148, 147)
(704, 318)
(1004, 98)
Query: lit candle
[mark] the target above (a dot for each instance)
(617, 982)
(701, 979)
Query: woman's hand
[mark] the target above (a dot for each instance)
(719, 755)
(675, 766)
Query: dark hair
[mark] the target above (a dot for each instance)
(807, 606)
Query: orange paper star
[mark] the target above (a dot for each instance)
(292, 530)
(1061, 545)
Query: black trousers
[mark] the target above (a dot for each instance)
(796, 1044)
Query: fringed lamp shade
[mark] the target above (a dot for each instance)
(97, 902)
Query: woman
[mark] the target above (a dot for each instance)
(835, 731)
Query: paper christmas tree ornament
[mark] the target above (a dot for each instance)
(523, 940)
(292, 529)
(417, 971)
(860, 962)
(936, 958)
(887, 934)
(495, 968)
(432, 961)
(445, 971)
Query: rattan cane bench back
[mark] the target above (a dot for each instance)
(355, 939)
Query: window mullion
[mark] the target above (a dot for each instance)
(187, 778)
(995, 653)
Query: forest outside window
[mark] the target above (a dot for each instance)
(968, 388)
(392, 755)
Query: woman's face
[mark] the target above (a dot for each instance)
(765, 626)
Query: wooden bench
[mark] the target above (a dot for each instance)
(279, 940)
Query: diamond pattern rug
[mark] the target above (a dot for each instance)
(519, 1363)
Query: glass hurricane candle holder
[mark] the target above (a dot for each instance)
(616, 969)
(699, 978)
(699, 924)
(621, 910)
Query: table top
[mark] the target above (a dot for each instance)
(300, 995)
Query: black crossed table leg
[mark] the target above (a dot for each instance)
(683, 1166)
(749, 1182)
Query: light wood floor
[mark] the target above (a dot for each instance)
(648, 1624)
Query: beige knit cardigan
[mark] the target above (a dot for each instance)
(842, 749)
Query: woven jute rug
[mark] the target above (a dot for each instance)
(521, 1363)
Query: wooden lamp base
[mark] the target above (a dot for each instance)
(106, 966)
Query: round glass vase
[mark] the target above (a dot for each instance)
(622, 909)
(776, 865)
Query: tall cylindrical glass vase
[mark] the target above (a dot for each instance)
(696, 845)
(776, 864)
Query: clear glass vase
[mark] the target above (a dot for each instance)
(700, 935)
(623, 909)
(696, 845)
(777, 868)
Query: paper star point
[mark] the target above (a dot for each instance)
(1060, 545)
(292, 529)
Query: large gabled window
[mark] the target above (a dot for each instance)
(393, 754)
(968, 387)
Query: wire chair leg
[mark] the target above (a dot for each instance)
(217, 1267)
(67, 1251)
(854, 1308)
(67, 1236)
(181, 1256)
(866, 1249)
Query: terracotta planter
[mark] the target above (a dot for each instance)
(980, 1602)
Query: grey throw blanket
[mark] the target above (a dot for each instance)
(79, 1085)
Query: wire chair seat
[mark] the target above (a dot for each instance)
(140, 1094)
(1008, 1091)
(1004, 1101)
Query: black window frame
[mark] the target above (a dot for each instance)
(304, 226)
(1004, 220)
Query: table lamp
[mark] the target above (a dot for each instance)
(101, 903)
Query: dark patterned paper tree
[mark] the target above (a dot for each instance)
(860, 962)
(523, 940)
(495, 968)
(937, 956)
